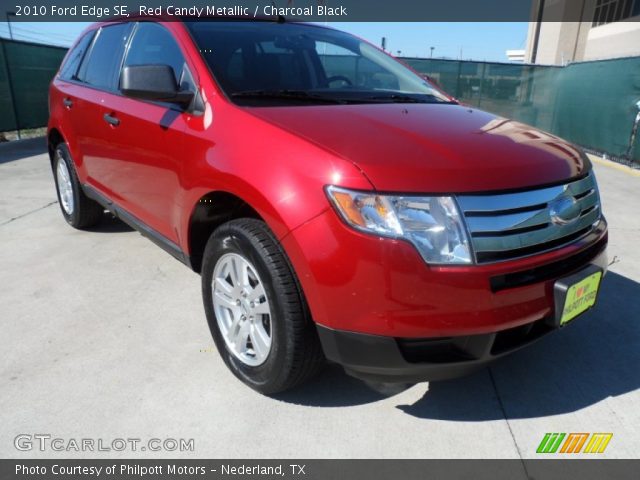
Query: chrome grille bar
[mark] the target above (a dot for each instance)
(512, 225)
(482, 204)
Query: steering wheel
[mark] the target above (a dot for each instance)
(336, 78)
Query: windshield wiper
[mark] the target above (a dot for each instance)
(287, 95)
(306, 96)
(395, 98)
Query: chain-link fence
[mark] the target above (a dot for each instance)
(593, 104)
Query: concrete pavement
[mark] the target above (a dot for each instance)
(104, 336)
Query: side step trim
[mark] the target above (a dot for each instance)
(145, 230)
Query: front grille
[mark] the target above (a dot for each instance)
(547, 271)
(472, 347)
(432, 350)
(516, 337)
(506, 226)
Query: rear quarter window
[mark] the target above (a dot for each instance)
(69, 69)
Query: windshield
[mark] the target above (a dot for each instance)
(267, 63)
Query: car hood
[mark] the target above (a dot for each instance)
(432, 148)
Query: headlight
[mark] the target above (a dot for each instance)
(432, 224)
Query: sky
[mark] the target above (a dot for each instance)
(469, 41)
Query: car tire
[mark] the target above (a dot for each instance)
(77, 209)
(264, 281)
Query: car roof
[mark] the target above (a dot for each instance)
(182, 19)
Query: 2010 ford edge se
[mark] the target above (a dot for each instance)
(336, 204)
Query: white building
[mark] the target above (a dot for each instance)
(607, 29)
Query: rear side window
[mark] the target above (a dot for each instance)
(101, 66)
(152, 44)
(69, 70)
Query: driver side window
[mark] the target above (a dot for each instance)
(153, 44)
(346, 69)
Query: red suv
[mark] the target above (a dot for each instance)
(336, 204)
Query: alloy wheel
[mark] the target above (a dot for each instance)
(242, 309)
(65, 187)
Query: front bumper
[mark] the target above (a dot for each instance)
(384, 314)
(388, 359)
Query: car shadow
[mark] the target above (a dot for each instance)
(110, 224)
(332, 388)
(592, 359)
(19, 149)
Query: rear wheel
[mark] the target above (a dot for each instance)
(256, 311)
(77, 209)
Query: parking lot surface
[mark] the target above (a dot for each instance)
(104, 337)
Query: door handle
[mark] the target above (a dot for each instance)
(111, 120)
(68, 103)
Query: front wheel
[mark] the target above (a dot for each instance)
(256, 311)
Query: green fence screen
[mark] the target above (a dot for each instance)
(28, 68)
(592, 104)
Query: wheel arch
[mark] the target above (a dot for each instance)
(210, 211)
(54, 138)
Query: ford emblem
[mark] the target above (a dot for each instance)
(564, 210)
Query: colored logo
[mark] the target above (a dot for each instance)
(574, 443)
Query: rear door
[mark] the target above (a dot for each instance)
(95, 85)
(65, 95)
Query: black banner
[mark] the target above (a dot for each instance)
(303, 10)
(320, 469)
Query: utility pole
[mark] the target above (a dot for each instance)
(432, 49)
(10, 83)
(11, 90)
(9, 24)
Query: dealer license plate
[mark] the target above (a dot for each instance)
(580, 297)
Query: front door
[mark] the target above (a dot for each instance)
(142, 142)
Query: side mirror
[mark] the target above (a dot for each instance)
(153, 82)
